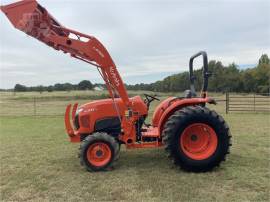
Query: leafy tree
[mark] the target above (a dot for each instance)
(59, 87)
(40, 89)
(20, 88)
(264, 59)
(225, 78)
(85, 85)
(68, 86)
(50, 88)
(262, 78)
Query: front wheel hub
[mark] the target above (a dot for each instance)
(99, 154)
(198, 141)
(193, 138)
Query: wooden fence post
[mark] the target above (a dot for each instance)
(35, 107)
(254, 103)
(227, 102)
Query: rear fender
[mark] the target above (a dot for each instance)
(178, 104)
(159, 110)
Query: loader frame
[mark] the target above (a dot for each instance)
(31, 18)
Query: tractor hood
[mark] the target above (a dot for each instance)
(87, 115)
(105, 106)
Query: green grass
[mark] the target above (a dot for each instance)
(39, 164)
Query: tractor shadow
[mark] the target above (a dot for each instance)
(145, 159)
(149, 159)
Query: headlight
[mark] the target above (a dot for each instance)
(78, 111)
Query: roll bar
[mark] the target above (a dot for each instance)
(206, 74)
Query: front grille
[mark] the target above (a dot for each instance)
(85, 121)
(76, 122)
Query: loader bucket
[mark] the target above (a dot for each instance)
(16, 12)
(31, 18)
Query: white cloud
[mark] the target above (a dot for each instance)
(143, 37)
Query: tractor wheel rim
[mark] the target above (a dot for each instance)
(99, 154)
(198, 141)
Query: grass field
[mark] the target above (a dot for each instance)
(39, 164)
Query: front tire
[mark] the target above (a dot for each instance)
(98, 151)
(117, 152)
(196, 139)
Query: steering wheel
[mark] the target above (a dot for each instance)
(149, 99)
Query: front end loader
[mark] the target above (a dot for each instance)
(194, 137)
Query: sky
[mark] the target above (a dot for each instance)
(147, 39)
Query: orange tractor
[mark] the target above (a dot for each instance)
(194, 137)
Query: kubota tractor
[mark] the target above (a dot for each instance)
(194, 137)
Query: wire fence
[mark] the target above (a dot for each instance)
(42, 106)
(33, 107)
(247, 103)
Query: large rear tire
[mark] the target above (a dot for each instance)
(98, 152)
(196, 139)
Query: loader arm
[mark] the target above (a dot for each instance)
(31, 18)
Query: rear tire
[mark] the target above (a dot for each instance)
(196, 139)
(98, 151)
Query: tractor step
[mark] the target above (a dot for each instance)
(144, 145)
(151, 132)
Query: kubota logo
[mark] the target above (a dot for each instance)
(114, 75)
(32, 24)
(98, 51)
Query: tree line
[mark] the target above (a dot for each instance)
(224, 79)
(83, 85)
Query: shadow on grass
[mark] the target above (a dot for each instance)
(142, 160)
